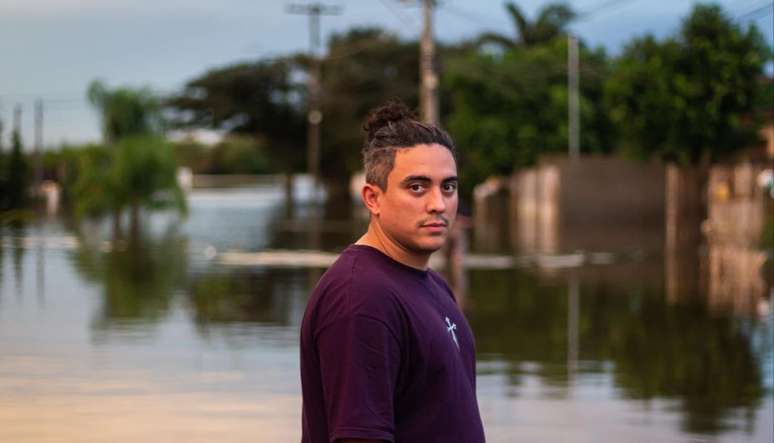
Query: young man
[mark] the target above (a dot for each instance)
(386, 354)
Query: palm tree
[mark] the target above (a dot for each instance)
(551, 22)
(137, 169)
(125, 111)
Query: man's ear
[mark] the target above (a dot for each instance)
(371, 195)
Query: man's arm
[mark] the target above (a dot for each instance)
(359, 363)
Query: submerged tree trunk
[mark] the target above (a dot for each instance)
(117, 229)
(134, 222)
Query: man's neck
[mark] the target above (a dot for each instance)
(376, 238)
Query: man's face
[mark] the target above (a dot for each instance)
(420, 204)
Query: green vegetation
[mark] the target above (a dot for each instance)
(138, 172)
(504, 98)
(125, 112)
(508, 108)
(364, 67)
(17, 175)
(14, 173)
(551, 22)
(684, 99)
(261, 100)
(135, 170)
(233, 155)
(691, 99)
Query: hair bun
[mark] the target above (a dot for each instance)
(393, 111)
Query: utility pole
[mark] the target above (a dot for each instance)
(428, 92)
(573, 101)
(314, 114)
(38, 142)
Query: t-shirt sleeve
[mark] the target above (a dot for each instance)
(359, 364)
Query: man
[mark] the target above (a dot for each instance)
(386, 354)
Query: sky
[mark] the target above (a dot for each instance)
(52, 49)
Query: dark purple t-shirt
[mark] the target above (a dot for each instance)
(387, 355)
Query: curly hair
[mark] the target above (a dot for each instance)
(394, 126)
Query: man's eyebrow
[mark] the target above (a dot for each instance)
(415, 178)
(426, 179)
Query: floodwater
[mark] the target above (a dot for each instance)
(161, 340)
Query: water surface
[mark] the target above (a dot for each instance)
(156, 340)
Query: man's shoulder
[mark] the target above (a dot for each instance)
(442, 284)
(354, 285)
(356, 268)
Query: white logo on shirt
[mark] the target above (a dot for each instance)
(451, 328)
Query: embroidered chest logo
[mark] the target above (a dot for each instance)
(451, 327)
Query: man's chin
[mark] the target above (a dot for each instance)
(430, 246)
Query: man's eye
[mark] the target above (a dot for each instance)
(416, 187)
(450, 187)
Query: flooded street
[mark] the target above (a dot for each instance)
(165, 340)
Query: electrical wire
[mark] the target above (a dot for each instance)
(600, 8)
(750, 15)
(471, 16)
(406, 19)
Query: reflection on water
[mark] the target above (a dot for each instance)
(648, 348)
(158, 340)
(137, 279)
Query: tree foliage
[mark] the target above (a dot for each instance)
(137, 171)
(685, 99)
(678, 98)
(507, 109)
(17, 175)
(551, 22)
(264, 99)
(125, 112)
(364, 67)
(232, 155)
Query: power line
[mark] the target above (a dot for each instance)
(602, 7)
(471, 16)
(406, 19)
(760, 10)
(745, 3)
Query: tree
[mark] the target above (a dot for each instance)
(137, 172)
(18, 179)
(136, 169)
(125, 112)
(263, 100)
(364, 67)
(551, 22)
(685, 99)
(506, 109)
(145, 173)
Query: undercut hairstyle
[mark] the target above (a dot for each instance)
(394, 126)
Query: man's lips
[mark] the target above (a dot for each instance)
(434, 225)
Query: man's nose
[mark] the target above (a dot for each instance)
(436, 202)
